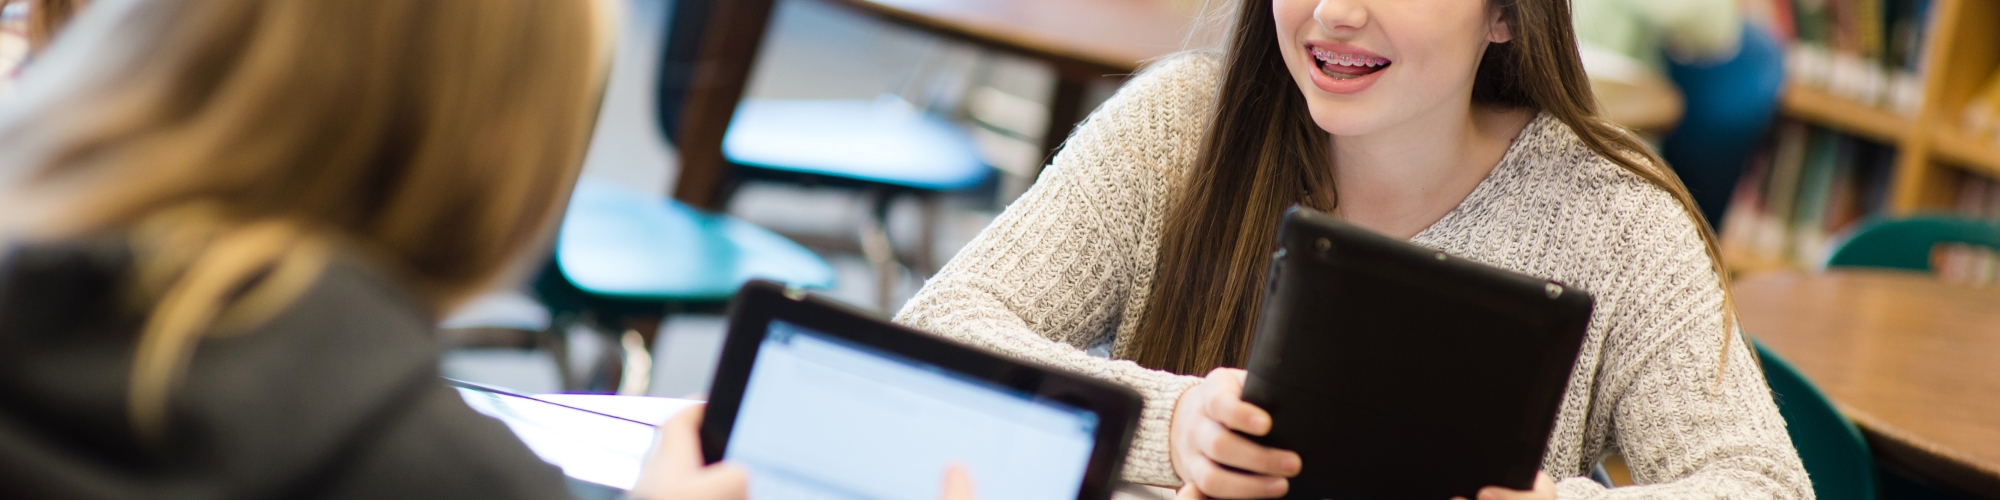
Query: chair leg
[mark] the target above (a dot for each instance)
(875, 245)
(637, 373)
(925, 260)
(641, 334)
(556, 340)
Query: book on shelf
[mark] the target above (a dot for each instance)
(1808, 186)
(1978, 198)
(1868, 51)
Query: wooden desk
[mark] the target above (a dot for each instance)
(1086, 40)
(1089, 40)
(1914, 361)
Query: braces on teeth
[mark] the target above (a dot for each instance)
(1329, 57)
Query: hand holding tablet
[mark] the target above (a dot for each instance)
(1397, 371)
(1216, 461)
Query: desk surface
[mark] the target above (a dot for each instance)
(1090, 38)
(1105, 36)
(1914, 361)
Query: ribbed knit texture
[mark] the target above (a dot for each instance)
(1070, 264)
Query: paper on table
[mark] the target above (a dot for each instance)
(590, 447)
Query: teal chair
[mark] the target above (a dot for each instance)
(625, 259)
(886, 148)
(1835, 455)
(1907, 243)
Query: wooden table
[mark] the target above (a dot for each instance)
(1085, 40)
(1914, 361)
(1089, 40)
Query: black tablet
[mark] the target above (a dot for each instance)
(819, 400)
(1397, 371)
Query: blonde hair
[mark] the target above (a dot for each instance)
(238, 142)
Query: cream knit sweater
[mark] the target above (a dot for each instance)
(1070, 264)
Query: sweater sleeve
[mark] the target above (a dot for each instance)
(1690, 420)
(1059, 269)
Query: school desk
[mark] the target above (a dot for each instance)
(1914, 361)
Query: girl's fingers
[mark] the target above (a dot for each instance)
(676, 456)
(1545, 488)
(1225, 403)
(957, 483)
(1234, 450)
(721, 482)
(1215, 481)
(1188, 492)
(677, 453)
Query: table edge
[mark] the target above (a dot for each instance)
(1070, 63)
(1918, 456)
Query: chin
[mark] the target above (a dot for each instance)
(1343, 118)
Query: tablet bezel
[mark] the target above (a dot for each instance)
(759, 302)
(1322, 256)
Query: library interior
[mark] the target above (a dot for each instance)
(1088, 188)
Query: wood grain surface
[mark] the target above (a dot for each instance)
(1083, 38)
(1913, 360)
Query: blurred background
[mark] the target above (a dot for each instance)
(1848, 151)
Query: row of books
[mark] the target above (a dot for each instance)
(1978, 198)
(1870, 51)
(1809, 185)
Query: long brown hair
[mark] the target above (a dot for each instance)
(241, 142)
(1263, 154)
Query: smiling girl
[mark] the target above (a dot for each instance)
(1462, 125)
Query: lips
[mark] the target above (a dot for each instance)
(1343, 63)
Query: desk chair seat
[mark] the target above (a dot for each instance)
(1831, 447)
(1907, 243)
(885, 146)
(883, 142)
(623, 244)
(625, 260)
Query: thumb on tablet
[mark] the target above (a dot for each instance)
(957, 483)
(674, 470)
(1225, 402)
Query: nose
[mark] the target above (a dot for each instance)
(1341, 17)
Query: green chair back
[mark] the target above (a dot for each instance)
(1831, 447)
(1907, 243)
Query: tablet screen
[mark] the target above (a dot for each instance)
(824, 417)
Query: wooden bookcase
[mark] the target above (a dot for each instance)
(1964, 48)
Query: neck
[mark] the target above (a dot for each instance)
(1402, 179)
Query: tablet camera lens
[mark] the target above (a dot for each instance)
(1553, 289)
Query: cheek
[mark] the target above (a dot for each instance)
(1441, 39)
(1291, 14)
(1292, 18)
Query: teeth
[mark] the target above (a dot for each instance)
(1351, 60)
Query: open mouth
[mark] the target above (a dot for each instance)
(1345, 66)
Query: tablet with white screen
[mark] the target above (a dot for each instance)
(818, 400)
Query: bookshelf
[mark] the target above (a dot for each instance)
(1953, 147)
(1962, 49)
(1930, 157)
(1831, 111)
